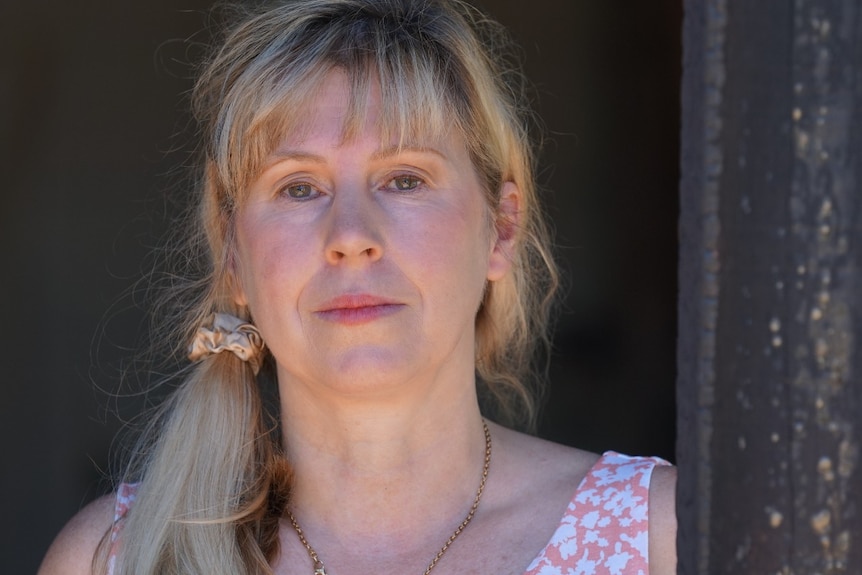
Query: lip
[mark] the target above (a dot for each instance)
(356, 309)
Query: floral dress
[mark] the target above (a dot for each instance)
(604, 531)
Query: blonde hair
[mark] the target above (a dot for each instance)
(213, 484)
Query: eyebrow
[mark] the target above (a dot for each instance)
(281, 155)
(388, 152)
(415, 148)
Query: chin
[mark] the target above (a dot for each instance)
(371, 372)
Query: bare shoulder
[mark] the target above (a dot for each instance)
(662, 521)
(552, 460)
(532, 483)
(543, 473)
(72, 551)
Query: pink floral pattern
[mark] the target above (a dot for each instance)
(125, 498)
(606, 526)
(604, 531)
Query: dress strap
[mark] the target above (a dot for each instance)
(126, 494)
(605, 529)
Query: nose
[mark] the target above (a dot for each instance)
(354, 229)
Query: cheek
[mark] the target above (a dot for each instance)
(266, 266)
(280, 257)
(455, 255)
(256, 262)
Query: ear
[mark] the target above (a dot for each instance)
(233, 279)
(506, 223)
(238, 294)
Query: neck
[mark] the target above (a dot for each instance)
(360, 463)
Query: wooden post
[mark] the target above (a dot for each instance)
(771, 288)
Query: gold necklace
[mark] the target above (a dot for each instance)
(319, 569)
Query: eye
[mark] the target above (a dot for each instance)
(300, 191)
(404, 183)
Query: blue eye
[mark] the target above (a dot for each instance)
(300, 191)
(405, 183)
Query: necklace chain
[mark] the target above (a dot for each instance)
(319, 569)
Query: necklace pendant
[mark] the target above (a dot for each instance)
(319, 570)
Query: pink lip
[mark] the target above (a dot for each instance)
(357, 309)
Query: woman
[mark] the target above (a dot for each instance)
(374, 244)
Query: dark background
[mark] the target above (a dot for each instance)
(92, 132)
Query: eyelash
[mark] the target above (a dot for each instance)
(313, 192)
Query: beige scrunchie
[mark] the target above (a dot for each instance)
(228, 333)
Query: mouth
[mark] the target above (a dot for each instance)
(357, 309)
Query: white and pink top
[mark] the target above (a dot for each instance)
(604, 531)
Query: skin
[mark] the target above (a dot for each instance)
(363, 266)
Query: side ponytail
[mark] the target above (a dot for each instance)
(212, 485)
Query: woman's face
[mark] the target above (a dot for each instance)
(364, 265)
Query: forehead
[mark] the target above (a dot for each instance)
(336, 113)
(335, 110)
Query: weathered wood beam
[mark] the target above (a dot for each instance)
(771, 288)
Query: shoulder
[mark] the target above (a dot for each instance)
(552, 472)
(536, 478)
(73, 550)
(529, 449)
(662, 520)
(549, 467)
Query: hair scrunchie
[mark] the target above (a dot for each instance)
(228, 333)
